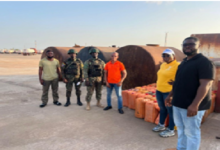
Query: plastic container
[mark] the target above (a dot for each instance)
(131, 100)
(125, 98)
(129, 92)
(154, 98)
(151, 112)
(138, 108)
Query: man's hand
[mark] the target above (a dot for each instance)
(119, 83)
(87, 83)
(81, 79)
(65, 80)
(41, 82)
(171, 82)
(168, 101)
(107, 84)
(192, 110)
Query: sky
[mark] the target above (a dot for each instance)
(104, 23)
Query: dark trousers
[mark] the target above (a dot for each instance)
(164, 111)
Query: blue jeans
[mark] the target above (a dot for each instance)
(188, 129)
(164, 111)
(118, 93)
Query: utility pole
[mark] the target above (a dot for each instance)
(35, 44)
(166, 39)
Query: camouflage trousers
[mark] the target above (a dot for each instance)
(69, 87)
(97, 86)
(46, 86)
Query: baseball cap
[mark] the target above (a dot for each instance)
(168, 51)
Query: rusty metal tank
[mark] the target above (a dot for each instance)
(142, 63)
(210, 44)
(216, 62)
(60, 53)
(105, 53)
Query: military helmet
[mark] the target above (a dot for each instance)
(72, 51)
(93, 50)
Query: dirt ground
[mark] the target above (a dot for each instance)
(15, 64)
(25, 126)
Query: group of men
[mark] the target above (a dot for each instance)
(190, 96)
(94, 72)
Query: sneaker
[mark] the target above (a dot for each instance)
(167, 133)
(159, 127)
(107, 108)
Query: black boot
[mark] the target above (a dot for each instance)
(67, 102)
(78, 101)
(42, 105)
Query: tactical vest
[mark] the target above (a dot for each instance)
(95, 70)
(72, 67)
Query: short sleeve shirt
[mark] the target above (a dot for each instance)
(49, 69)
(187, 81)
(166, 73)
(114, 71)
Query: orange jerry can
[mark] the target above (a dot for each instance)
(131, 100)
(154, 98)
(128, 93)
(125, 97)
(158, 117)
(151, 112)
(138, 108)
(141, 96)
(144, 106)
(148, 96)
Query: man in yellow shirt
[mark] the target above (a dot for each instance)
(165, 75)
(49, 72)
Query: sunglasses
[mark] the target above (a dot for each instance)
(164, 55)
(188, 44)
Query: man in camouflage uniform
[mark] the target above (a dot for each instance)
(93, 74)
(72, 72)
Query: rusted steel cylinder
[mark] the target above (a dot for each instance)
(209, 44)
(216, 62)
(60, 53)
(105, 53)
(142, 63)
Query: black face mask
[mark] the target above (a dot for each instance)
(49, 57)
(193, 52)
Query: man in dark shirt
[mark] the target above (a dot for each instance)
(191, 94)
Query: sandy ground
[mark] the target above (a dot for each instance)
(25, 126)
(15, 64)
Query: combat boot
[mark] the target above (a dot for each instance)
(78, 101)
(88, 106)
(67, 102)
(99, 104)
